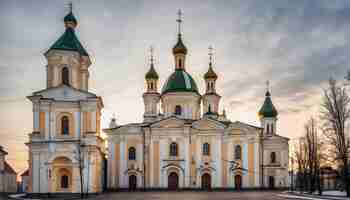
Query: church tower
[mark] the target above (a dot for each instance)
(151, 97)
(66, 140)
(210, 99)
(268, 115)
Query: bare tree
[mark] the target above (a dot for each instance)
(301, 159)
(335, 115)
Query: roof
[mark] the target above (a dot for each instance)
(9, 169)
(25, 173)
(69, 42)
(3, 151)
(152, 73)
(210, 73)
(180, 81)
(179, 46)
(268, 109)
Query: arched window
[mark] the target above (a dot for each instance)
(206, 149)
(65, 125)
(268, 129)
(212, 85)
(180, 63)
(178, 110)
(238, 152)
(273, 157)
(173, 149)
(151, 85)
(208, 86)
(64, 181)
(65, 76)
(132, 153)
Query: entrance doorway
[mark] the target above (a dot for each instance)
(132, 182)
(173, 181)
(238, 182)
(271, 182)
(206, 181)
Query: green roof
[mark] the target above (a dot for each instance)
(180, 81)
(152, 73)
(268, 109)
(179, 46)
(69, 41)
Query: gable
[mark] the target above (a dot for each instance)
(172, 122)
(207, 124)
(65, 93)
(239, 128)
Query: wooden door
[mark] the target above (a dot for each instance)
(132, 182)
(238, 182)
(206, 181)
(173, 181)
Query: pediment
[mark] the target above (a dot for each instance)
(239, 128)
(172, 122)
(65, 93)
(207, 124)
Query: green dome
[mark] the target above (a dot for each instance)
(268, 109)
(152, 73)
(180, 81)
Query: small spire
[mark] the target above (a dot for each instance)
(113, 123)
(210, 55)
(179, 21)
(70, 5)
(151, 55)
(267, 88)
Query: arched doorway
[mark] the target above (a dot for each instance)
(206, 181)
(62, 172)
(238, 182)
(132, 182)
(173, 181)
(271, 182)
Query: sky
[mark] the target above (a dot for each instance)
(296, 45)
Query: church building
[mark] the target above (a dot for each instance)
(185, 142)
(66, 150)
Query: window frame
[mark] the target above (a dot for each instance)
(173, 149)
(65, 125)
(206, 149)
(132, 153)
(65, 76)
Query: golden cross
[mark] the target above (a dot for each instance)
(210, 54)
(151, 53)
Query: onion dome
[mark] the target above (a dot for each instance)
(179, 47)
(180, 81)
(152, 73)
(268, 109)
(70, 18)
(210, 74)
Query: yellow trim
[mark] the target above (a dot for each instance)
(117, 160)
(251, 171)
(224, 164)
(156, 163)
(42, 123)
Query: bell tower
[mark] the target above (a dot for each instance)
(268, 114)
(211, 99)
(151, 97)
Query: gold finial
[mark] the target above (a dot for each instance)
(179, 21)
(210, 55)
(151, 49)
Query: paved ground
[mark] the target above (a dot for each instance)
(190, 196)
